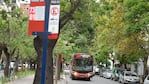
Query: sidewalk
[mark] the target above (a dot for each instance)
(29, 80)
(25, 80)
(1, 73)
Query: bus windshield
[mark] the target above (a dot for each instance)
(84, 63)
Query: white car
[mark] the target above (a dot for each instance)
(146, 81)
(107, 74)
(129, 77)
(96, 70)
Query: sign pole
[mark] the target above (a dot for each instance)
(45, 40)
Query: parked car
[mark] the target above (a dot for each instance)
(107, 73)
(129, 77)
(146, 81)
(96, 70)
(101, 70)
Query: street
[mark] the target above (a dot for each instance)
(95, 80)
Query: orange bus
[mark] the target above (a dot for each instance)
(81, 66)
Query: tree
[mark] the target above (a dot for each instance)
(102, 56)
(109, 30)
(6, 42)
(110, 33)
(80, 30)
(12, 31)
(137, 19)
(123, 27)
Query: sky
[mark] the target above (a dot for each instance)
(97, 0)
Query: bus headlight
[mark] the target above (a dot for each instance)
(75, 73)
(89, 74)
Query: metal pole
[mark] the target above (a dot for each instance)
(45, 40)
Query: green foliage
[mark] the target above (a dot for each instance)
(102, 56)
(79, 32)
(13, 28)
(118, 29)
(136, 15)
(25, 73)
(137, 19)
(7, 1)
(3, 80)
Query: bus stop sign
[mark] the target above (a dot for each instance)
(36, 18)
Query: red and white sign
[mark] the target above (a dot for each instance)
(32, 13)
(37, 13)
(54, 11)
(36, 19)
(54, 20)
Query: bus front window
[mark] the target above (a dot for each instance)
(83, 64)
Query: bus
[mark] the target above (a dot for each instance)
(81, 66)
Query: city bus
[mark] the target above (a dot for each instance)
(81, 66)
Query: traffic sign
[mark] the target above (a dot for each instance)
(36, 18)
(54, 20)
(54, 10)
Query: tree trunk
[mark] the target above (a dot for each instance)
(145, 68)
(38, 41)
(6, 69)
(58, 67)
(1, 51)
(8, 57)
(16, 63)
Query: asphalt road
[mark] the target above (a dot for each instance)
(95, 80)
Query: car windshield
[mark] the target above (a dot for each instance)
(133, 74)
(130, 74)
